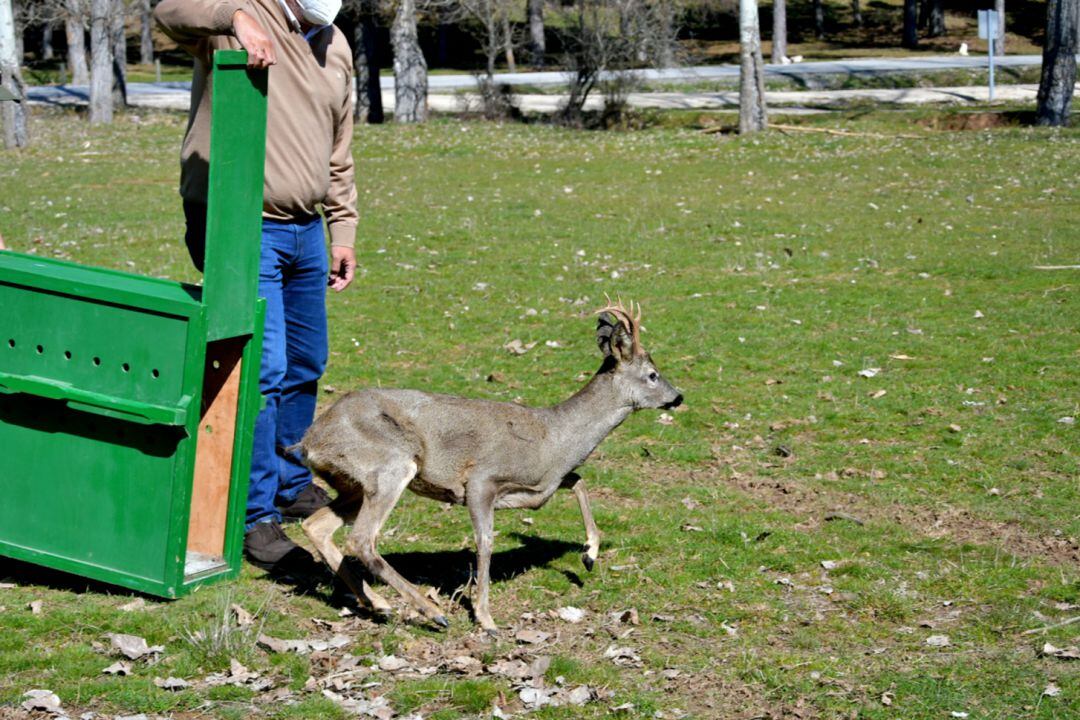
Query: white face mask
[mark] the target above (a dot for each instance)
(320, 12)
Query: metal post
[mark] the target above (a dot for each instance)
(157, 69)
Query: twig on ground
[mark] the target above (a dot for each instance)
(1070, 621)
(1056, 267)
(845, 133)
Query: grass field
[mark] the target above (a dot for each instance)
(776, 273)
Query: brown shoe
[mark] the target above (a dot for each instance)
(310, 499)
(267, 546)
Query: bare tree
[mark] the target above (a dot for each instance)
(931, 17)
(856, 13)
(410, 68)
(16, 131)
(1059, 62)
(47, 50)
(146, 35)
(779, 32)
(101, 62)
(537, 42)
(819, 19)
(602, 41)
(911, 20)
(74, 14)
(752, 114)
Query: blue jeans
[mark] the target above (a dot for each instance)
(293, 269)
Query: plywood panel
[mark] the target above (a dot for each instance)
(214, 449)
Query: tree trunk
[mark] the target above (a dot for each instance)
(935, 20)
(119, 53)
(779, 31)
(19, 21)
(856, 13)
(101, 63)
(13, 114)
(410, 68)
(911, 18)
(146, 37)
(665, 52)
(508, 42)
(537, 43)
(75, 30)
(752, 114)
(47, 51)
(369, 107)
(1058, 63)
(819, 20)
(999, 41)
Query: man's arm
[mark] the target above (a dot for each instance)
(190, 21)
(340, 203)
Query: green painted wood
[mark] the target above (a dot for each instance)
(235, 196)
(101, 383)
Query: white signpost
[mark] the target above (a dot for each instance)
(988, 25)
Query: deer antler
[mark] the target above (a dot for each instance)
(630, 320)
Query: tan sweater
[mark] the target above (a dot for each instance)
(309, 124)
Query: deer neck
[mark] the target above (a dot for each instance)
(584, 420)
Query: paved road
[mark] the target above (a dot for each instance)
(175, 95)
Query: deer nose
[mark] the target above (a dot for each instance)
(674, 403)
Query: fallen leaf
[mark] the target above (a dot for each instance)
(869, 372)
(465, 665)
(277, 645)
(886, 699)
(392, 663)
(938, 641)
(132, 647)
(829, 564)
(531, 637)
(690, 503)
(1069, 653)
(118, 668)
(687, 527)
(955, 428)
(571, 614)
(624, 708)
(878, 394)
(243, 617)
(629, 616)
(36, 606)
(622, 656)
(516, 347)
(580, 695)
(172, 683)
(901, 356)
(136, 604)
(535, 697)
(513, 669)
(1051, 690)
(45, 700)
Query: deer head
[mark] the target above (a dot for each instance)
(635, 377)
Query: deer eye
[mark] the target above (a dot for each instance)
(653, 376)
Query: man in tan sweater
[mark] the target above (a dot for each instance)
(309, 166)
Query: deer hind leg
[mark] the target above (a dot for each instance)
(592, 535)
(381, 494)
(320, 529)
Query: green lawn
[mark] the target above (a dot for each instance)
(772, 270)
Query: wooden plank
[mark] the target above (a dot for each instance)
(214, 449)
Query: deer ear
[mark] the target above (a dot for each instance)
(612, 338)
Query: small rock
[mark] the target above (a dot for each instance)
(571, 614)
(531, 637)
(44, 700)
(174, 684)
(938, 641)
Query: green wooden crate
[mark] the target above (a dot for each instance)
(128, 403)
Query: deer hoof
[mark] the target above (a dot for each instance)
(587, 561)
(493, 633)
(441, 621)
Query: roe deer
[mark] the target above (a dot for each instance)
(373, 444)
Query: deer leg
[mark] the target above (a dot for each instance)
(482, 512)
(320, 529)
(383, 496)
(592, 535)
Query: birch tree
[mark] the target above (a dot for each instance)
(368, 107)
(911, 23)
(999, 41)
(1058, 63)
(410, 68)
(752, 113)
(16, 131)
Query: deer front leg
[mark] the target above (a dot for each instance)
(482, 512)
(592, 535)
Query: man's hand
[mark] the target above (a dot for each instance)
(254, 39)
(342, 267)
